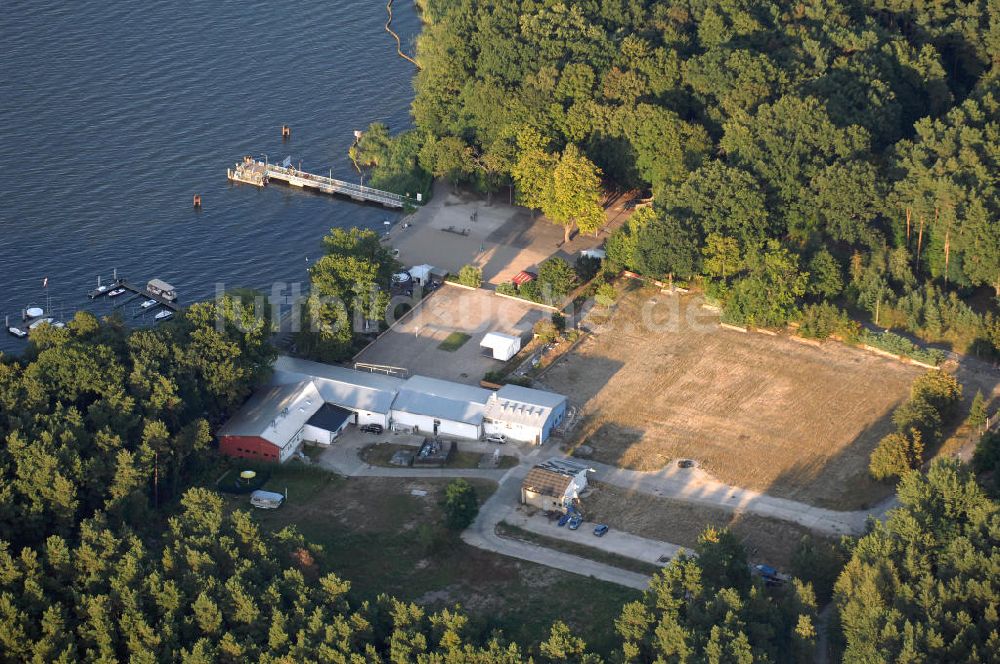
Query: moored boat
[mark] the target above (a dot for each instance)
(116, 292)
(149, 303)
(163, 315)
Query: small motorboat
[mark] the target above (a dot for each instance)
(116, 292)
(163, 315)
(149, 303)
(33, 312)
(17, 332)
(59, 324)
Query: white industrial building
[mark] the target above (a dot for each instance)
(270, 425)
(523, 414)
(419, 404)
(500, 346)
(369, 396)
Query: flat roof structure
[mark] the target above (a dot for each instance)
(275, 413)
(344, 387)
(330, 417)
(442, 399)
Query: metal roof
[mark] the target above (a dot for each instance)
(499, 340)
(159, 283)
(275, 413)
(340, 386)
(528, 395)
(442, 399)
(330, 417)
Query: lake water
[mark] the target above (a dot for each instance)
(114, 114)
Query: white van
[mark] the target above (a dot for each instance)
(266, 500)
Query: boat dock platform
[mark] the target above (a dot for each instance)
(137, 292)
(259, 173)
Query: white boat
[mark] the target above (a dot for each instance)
(164, 315)
(17, 332)
(59, 324)
(41, 321)
(33, 312)
(149, 303)
(116, 292)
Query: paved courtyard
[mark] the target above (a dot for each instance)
(502, 239)
(414, 342)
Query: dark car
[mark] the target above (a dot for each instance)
(601, 530)
(372, 428)
(575, 522)
(563, 520)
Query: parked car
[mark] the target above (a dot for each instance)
(497, 438)
(563, 520)
(372, 428)
(575, 522)
(601, 530)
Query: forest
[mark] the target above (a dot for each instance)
(796, 154)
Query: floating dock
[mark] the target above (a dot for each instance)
(259, 174)
(137, 292)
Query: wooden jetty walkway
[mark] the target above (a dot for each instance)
(137, 293)
(259, 173)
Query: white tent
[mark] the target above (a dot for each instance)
(421, 273)
(504, 346)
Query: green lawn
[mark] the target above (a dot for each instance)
(376, 534)
(454, 341)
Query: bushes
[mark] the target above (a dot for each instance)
(460, 504)
(896, 454)
(471, 276)
(932, 403)
(507, 288)
(820, 321)
(546, 330)
(556, 279)
(893, 343)
(605, 295)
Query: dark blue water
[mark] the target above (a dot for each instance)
(114, 114)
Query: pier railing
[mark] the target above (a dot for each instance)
(333, 186)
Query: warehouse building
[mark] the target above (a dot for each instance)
(440, 407)
(270, 425)
(368, 396)
(523, 414)
(315, 402)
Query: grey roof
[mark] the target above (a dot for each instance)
(358, 390)
(530, 396)
(275, 413)
(442, 399)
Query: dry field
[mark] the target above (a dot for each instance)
(756, 411)
(767, 541)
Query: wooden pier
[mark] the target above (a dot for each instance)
(137, 293)
(259, 173)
